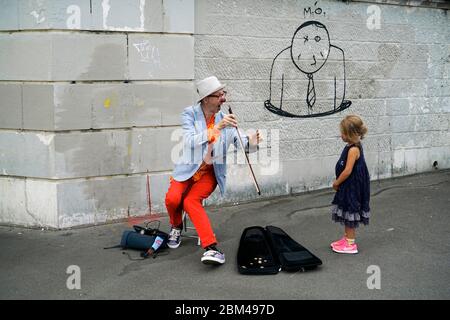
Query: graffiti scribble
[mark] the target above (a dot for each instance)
(148, 52)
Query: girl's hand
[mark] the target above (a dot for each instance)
(335, 185)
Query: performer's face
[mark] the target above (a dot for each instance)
(215, 100)
(310, 47)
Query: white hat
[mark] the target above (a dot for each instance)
(207, 86)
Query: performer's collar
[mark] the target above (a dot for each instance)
(208, 114)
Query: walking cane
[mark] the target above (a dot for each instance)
(246, 156)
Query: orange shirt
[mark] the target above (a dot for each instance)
(213, 135)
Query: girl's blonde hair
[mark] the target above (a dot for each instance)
(353, 127)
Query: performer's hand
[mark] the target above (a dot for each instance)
(335, 186)
(228, 120)
(255, 138)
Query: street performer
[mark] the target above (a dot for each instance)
(207, 134)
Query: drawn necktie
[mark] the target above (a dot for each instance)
(311, 96)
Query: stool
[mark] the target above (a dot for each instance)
(186, 228)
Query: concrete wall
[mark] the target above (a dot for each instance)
(91, 92)
(397, 75)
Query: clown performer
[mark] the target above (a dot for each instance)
(207, 134)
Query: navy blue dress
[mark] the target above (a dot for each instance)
(351, 201)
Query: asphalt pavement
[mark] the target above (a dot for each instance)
(404, 253)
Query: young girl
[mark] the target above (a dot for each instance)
(351, 201)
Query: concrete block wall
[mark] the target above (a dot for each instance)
(397, 79)
(91, 92)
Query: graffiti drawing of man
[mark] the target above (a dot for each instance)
(307, 79)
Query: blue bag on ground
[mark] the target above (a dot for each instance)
(146, 239)
(133, 240)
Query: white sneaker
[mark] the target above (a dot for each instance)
(174, 238)
(213, 257)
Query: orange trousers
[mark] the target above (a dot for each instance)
(188, 195)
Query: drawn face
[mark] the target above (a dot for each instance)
(310, 46)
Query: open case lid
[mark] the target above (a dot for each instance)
(291, 255)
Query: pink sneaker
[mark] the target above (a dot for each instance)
(339, 242)
(346, 248)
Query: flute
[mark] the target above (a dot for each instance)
(246, 156)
